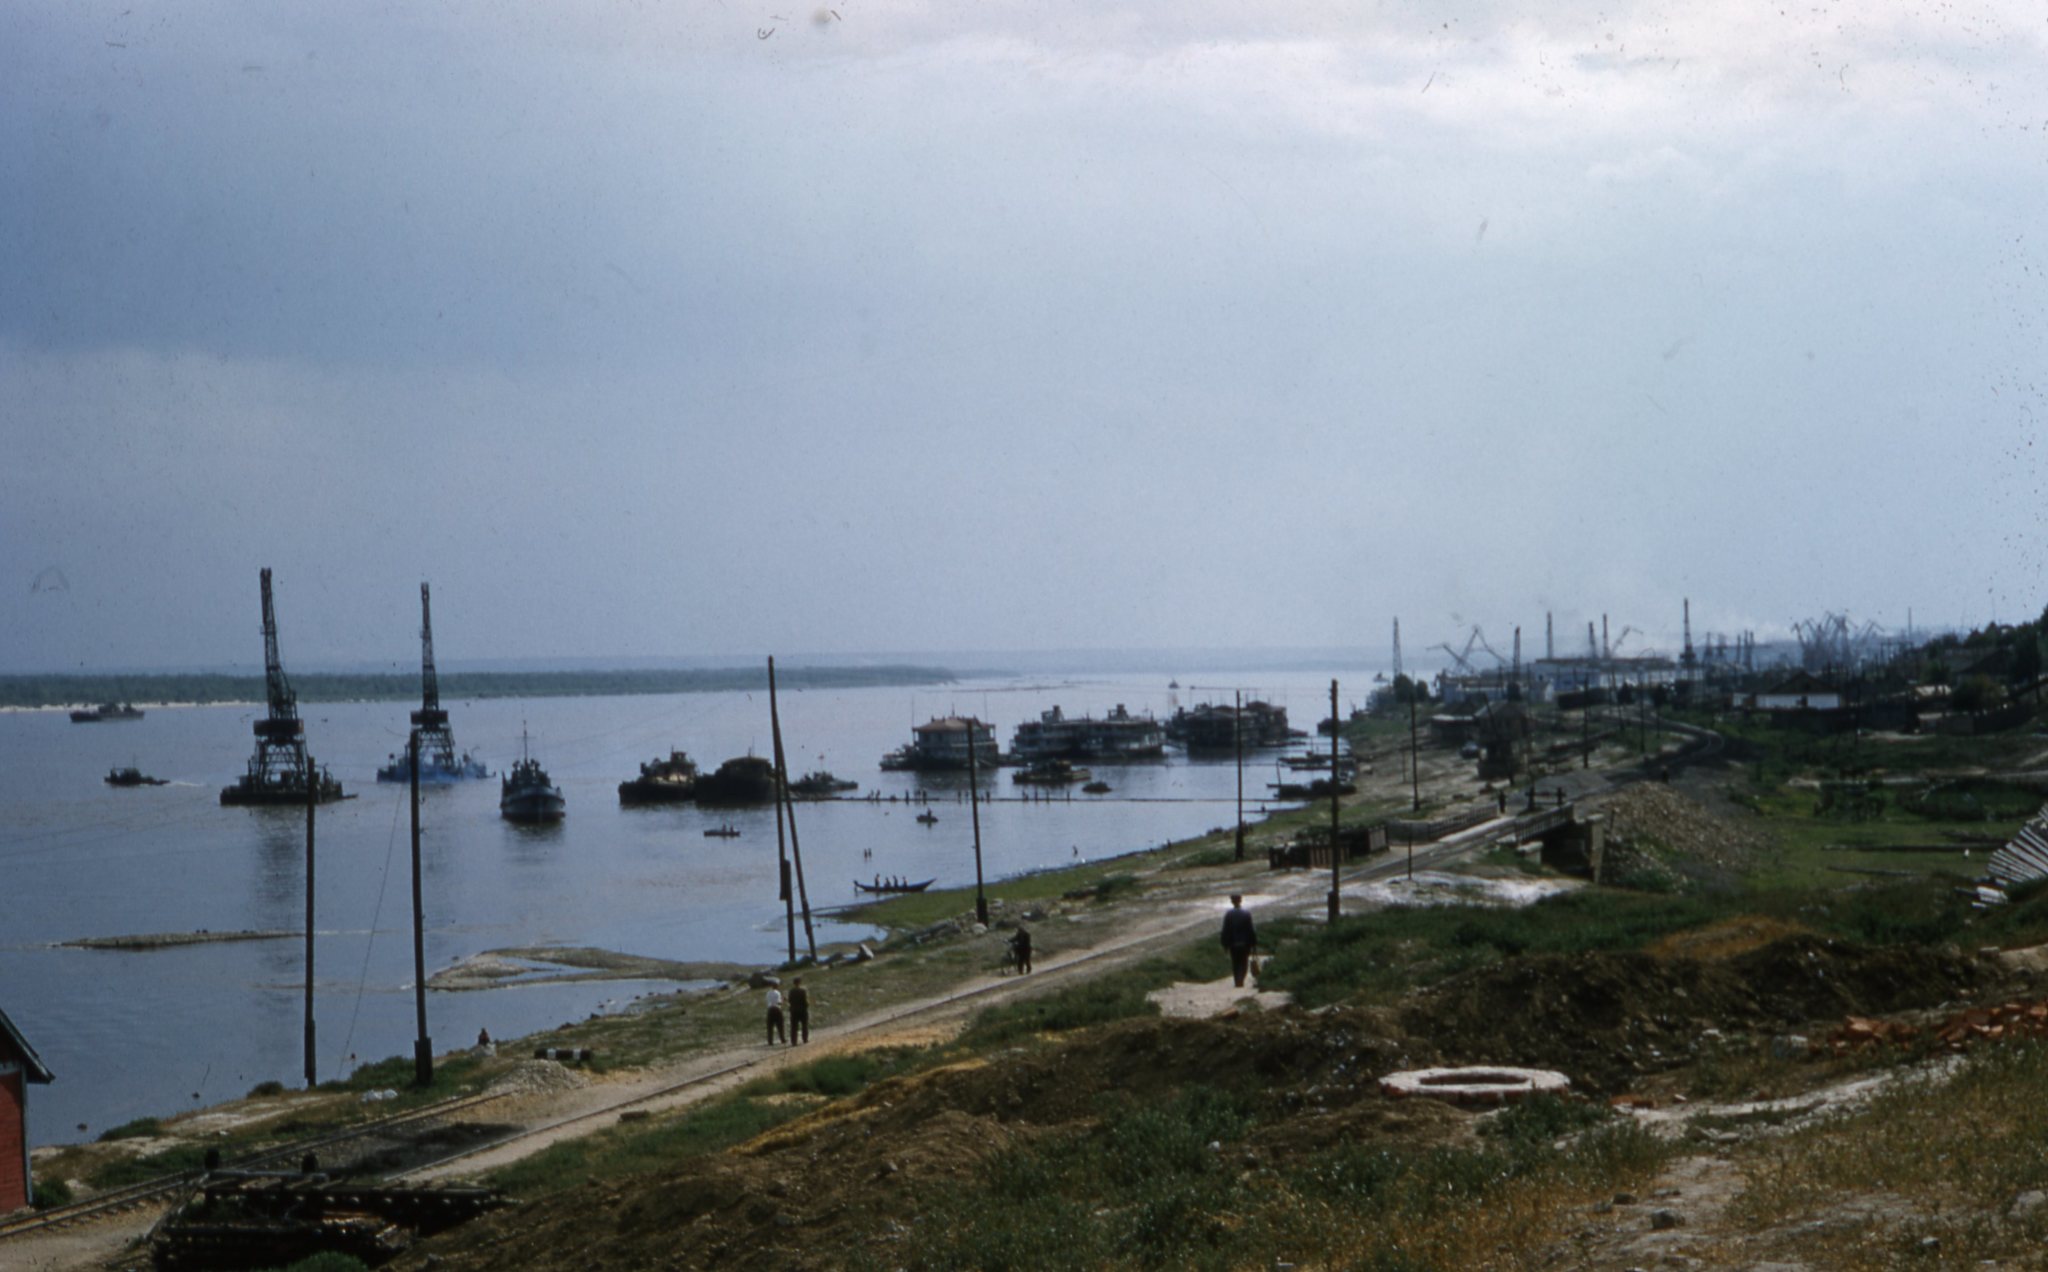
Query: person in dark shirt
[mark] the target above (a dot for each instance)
(1239, 938)
(1020, 949)
(799, 1013)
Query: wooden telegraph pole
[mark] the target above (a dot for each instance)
(1335, 852)
(974, 805)
(783, 800)
(312, 801)
(1414, 757)
(423, 1046)
(1237, 735)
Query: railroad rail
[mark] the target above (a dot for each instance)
(133, 1196)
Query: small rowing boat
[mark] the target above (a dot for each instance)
(885, 888)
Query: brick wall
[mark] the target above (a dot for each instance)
(13, 1140)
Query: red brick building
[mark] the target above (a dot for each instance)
(19, 1066)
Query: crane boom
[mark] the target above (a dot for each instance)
(284, 704)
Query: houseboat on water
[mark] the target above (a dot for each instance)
(942, 746)
(1215, 727)
(1116, 736)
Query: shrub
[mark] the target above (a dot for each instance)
(136, 1129)
(51, 1193)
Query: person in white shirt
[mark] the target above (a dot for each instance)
(774, 1016)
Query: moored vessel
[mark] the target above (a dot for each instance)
(526, 794)
(744, 779)
(821, 785)
(1116, 736)
(1051, 773)
(946, 746)
(669, 781)
(107, 711)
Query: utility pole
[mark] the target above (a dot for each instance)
(312, 802)
(423, 1046)
(1237, 736)
(974, 804)
(1586, 732)
(787, 894)
(1334, 850)
(782, 796)
(1414, 767)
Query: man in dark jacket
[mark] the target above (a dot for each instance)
(1239, 938)
(799, 1013)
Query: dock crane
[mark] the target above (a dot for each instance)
(438, 762)
(280, 769)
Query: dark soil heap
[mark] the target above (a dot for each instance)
(1606, 1018)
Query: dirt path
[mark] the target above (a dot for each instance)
(552, 1116)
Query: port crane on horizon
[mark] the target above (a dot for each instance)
(280, 769)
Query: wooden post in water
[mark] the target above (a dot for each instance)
(1335, 851)
(974, 802)
(423, 1046)
(312, 801)
(785, 800)
(1237, 735)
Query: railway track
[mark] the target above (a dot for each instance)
(150, 1191)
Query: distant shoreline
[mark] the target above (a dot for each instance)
(66, 692)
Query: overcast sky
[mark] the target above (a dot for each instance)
(732, 327)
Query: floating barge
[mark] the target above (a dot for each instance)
(1116, 736)
(107, 711)
(669, 781)
(945, 745)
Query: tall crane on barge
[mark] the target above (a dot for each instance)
(280, 770)
(438, 762)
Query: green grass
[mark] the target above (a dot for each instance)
(1177, 1179)
(633, 1149)
(137, 1129)
(839, 1075)
(716, 1124)
(133, 1170)
(51, 1193)
(453, 1075)
(1948, 1154)
(1115, 995)
(1379, 956)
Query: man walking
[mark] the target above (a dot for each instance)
(1239, 938)
(799, 1013)
(774, 1015)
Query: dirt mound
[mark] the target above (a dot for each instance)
(1607, 1018)
(1650, 825)
(530, 1077)
(847, 1179)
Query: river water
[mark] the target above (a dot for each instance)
(134, 1033)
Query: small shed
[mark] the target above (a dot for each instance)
(1802, 691)
(19, 1066)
